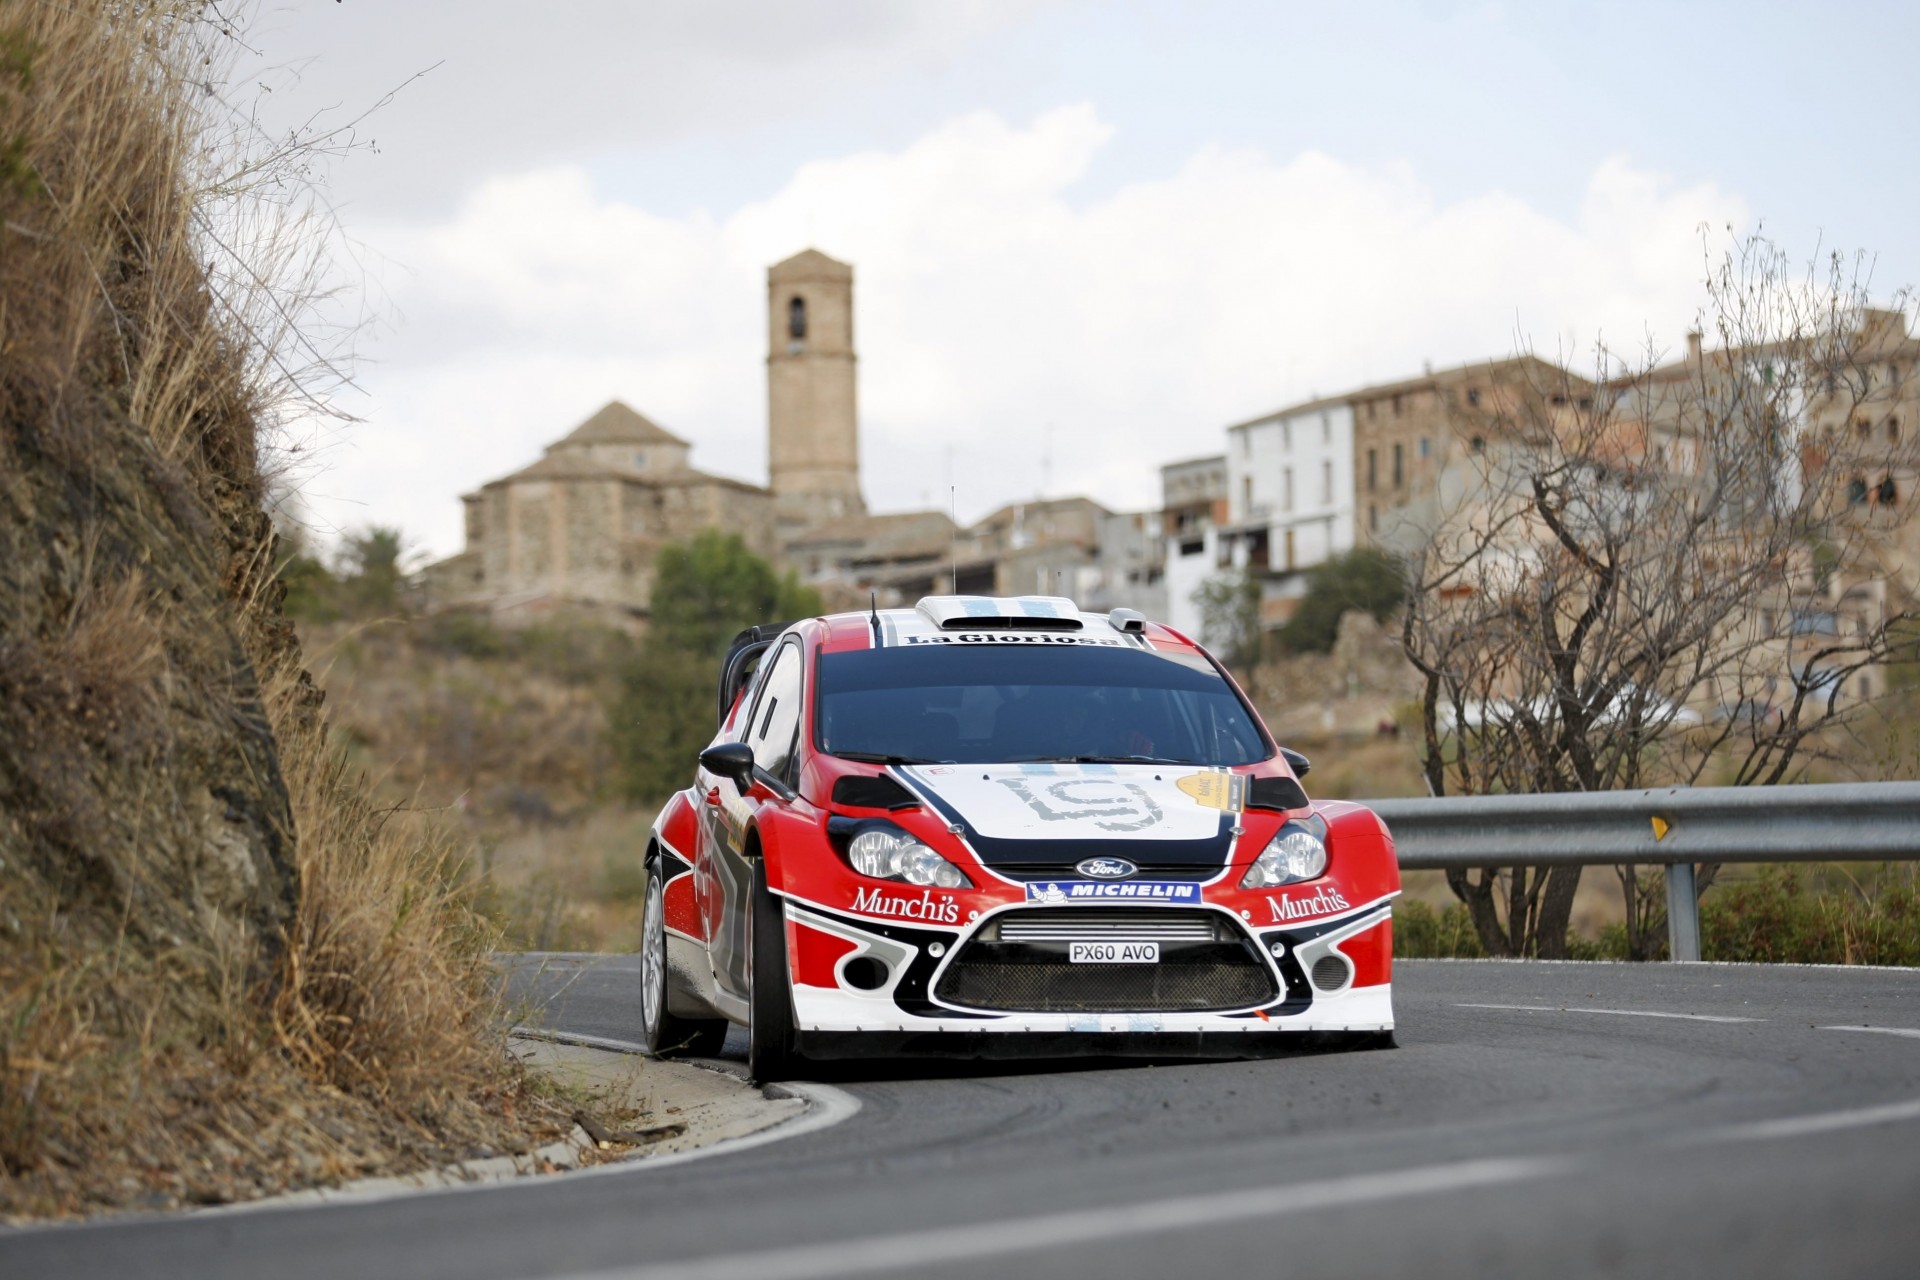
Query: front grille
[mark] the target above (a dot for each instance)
(1051, 987)
(1018, 964)
(1067, 924)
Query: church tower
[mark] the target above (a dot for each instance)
(813, 434)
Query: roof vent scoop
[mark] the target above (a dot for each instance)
(1128, 622)
(1001, 613)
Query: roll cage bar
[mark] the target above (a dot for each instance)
(743, 659)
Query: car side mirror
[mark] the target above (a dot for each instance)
(1296, 762)
(731, 760)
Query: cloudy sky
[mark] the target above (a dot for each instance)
(1086, 236)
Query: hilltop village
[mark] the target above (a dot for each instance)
(1376, 466)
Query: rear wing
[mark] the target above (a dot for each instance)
(743, 659)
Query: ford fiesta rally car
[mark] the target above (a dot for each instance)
(1002, 827)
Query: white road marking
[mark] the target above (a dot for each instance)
(1880, 1031)
(1822, 1122)
(1619, 1013)
(914, 1249)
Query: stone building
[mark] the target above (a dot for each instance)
(813, 433)
(1407, 435)
(580, 528)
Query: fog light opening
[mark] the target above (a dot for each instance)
(1330, 972)
(865, 973)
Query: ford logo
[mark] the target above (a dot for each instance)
(1106, 868)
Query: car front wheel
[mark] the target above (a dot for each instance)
(771, 1050)
(665, 1031)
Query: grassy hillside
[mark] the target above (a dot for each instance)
(225, 967)
(506, 735)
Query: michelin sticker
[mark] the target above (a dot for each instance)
(1056, 893)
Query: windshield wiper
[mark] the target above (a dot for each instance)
(876, 757)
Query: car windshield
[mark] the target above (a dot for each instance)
(1000, 703)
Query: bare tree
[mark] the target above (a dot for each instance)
(1670, 573)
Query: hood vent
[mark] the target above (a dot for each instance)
(1001, 613)
(1276, 793)
(861, 792)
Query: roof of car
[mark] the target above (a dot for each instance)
(1040, 620)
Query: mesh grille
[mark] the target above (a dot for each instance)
(1066, 924)
(1051, 987)
(1329, 972)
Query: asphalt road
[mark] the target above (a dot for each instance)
(1545, 1119)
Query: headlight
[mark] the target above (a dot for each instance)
(895, 855)
(1295, 853)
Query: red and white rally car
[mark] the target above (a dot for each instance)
(998, 827)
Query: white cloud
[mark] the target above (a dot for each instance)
(991, 306)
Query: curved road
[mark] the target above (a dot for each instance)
(1539, 1119)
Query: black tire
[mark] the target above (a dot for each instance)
(772, 1049)
(665, 1032)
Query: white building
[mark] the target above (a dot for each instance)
(1193, 500)
(1290, 502)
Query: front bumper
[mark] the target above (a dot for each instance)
(894, 983)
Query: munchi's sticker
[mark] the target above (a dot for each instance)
(1216, 789)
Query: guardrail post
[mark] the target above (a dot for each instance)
(1683, 913)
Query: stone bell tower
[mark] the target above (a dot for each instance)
(813, 433)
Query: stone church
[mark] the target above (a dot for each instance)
(578, 530)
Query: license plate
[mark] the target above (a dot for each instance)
(1113, 952)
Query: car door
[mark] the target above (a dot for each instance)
(773, 732)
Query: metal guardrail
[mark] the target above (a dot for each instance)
(1674, 827)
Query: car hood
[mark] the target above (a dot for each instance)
(1047, 814)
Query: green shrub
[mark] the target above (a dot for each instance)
(705, 592)
(470, 635)
(1421, 933)
(1363, 579)
(1774, 919)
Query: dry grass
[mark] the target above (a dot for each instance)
(223, 968)
(506, 734)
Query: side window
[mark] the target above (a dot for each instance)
(776, 715)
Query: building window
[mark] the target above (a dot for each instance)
(1373, 519)
(1857, 491)
(1373, 470)
(1326, 482)
(1289, 548)
(1889, 492)
(1426, 446)
(1286, 489)
(1373, 411)
(1246, 497)
(640, 460)
(1326, 429)
(797, 319)
(1396, 406)
(1893, 431)
(1473, 396)
(1399, 477)
(1478, 444)
(1862, 426)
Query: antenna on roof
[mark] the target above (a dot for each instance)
(873, 615)
(953, 520)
